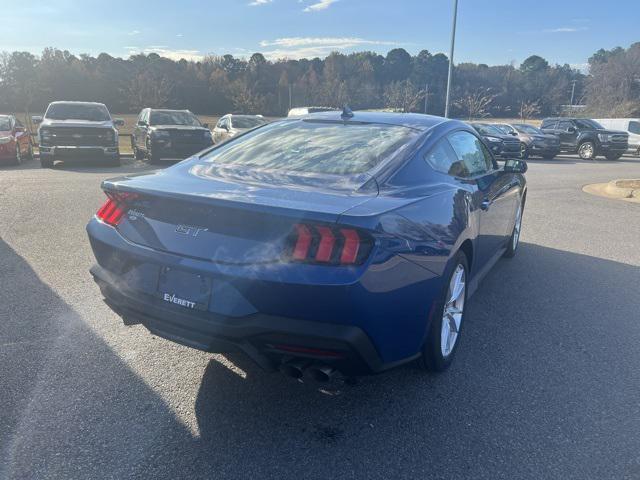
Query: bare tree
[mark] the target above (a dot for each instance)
(476, 104)
(529, 108)
(403, 96)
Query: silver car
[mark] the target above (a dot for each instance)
(231, 125)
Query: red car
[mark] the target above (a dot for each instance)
(15, 140)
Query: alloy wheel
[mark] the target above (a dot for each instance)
(453, 311)
(516, 228)
(18, 155)
(586, 151)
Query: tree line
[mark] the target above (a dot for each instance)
(397, 80)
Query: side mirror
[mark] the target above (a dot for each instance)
(118, 122)
(36, 119)
(571, 130)
(515, 134)
(205, 125)
(513, 165)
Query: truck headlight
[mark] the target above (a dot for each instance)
(4, 140)
(44, 133)
(493, 139)
(604, 137)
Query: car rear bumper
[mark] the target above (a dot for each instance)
(266, 339)
(365, 320)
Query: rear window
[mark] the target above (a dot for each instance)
(315, 147)
(78, 111)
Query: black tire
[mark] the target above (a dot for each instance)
(612, 157)
(30, 155)
(46, 163)
(587, 150)
(153, 160)
(524, 151)
(137, 153)
(17, 159)
(432, 358)
(514, 239)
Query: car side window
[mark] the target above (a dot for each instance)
(471, 152)
(564, 125)
(550, 124)
(220, 123)
(443, 159)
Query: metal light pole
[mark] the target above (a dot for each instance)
(426, 96)
(453, 43)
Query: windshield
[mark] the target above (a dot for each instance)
(78, 111)
(634, 127)
(315, 147)
(530, 129)
(247, 122)
(173, 118)
(5, 124)
(504, 128)
(487, 129)
(588, 124)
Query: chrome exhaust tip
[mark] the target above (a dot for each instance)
(294, 368)
(322, 373)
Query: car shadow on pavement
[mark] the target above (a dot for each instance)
(69, 406)
(544, 361)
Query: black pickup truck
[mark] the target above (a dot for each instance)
(587, 138)
(77, 130)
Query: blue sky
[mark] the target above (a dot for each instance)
(489, 31)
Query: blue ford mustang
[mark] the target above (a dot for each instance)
(336, 242)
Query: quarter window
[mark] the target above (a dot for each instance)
(470, 151)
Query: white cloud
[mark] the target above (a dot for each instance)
(134, 32)
(257, 3)
(179, 35)
(565, 30)
(309, 47)
(321, 5)
(163, 51)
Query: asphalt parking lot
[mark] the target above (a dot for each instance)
(546, 383)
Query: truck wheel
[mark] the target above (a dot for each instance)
(17, 159)
(524, 151)
(31, 156)
(447, 318)
(46, 162)
(587, 150)
(153, 160)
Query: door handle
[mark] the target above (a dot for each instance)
(486, 203)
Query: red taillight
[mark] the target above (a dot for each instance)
(115, 207)
(325, 244)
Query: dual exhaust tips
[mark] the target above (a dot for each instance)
(299, 367)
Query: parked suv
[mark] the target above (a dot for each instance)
(533, 141)
(77, 130)
(169, 135)
(587, 138)
(498, 142)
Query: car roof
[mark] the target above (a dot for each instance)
(76, 102)
(416, 121)
(167, 110)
